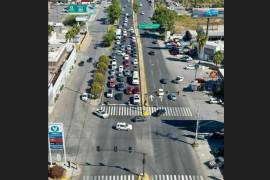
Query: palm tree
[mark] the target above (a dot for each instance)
(218, 57)
(201, 39)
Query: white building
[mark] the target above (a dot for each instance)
(61, 60)
(210, 48)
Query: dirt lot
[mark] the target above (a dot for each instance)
(184, 23)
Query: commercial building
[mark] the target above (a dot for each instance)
(61, 60)
(210, 48)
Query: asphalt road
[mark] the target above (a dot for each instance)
(168, 149)
(155, 67)
(120, 60)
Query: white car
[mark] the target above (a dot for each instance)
(101, 113)
(186, 58)
(113, 62)
(136, 99)
(135, 62)
(112, 72)
(118, 42)
(114, 66)
(213, 100)
(142, 13)
(84, 96)
(119, 52)
(125, 24)
(120, 69)
(140, 4)
(123, 126)
(123, 54)
(126, 57)
(190, 67)
(160, 92)
(109, 93)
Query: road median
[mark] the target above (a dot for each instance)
(141, 63)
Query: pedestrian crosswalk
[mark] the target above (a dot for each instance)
(153, 177)
(123, 110)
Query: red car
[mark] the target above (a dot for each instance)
(136, 90)
(112, 84)
(129, 90)
(125, 63)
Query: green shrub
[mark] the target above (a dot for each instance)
(96, 89)
(105, 59)
(99, 77)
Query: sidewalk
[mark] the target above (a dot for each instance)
(204, 153)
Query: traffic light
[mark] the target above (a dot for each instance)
(98, 148)
(115, 148)
(129, 149)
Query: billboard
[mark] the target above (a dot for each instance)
(56, 136)
(208, 13)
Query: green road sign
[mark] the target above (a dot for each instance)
(148, 26)
(74, 8)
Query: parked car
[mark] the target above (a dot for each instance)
(142, 13)
(120, 86)
(126, 72)
(136, 99)
(118, 96)
(126, 57)
(160, 92)
(89, 60)
(85, 96)
(178, 79)
(111, 84)
(164, 81)
(112, 72)
(214, 100)
(159, 112)
(126, 64)
(129, 90)
(172, 96)
(138, 119)
(111, 78)
(151, 53)
(101, 113)
(136, 90)
(190, 67)
(120, 79)
(186, 58)
(109, 93)
(120, 68)
(123, 126)
(135, 61)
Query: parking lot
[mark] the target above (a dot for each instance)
(120, 85)
(57, 13)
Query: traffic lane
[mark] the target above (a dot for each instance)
(173, 150)
(107, 138)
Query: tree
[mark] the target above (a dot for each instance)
(105, 59)
(72, 33)
(50, 29)
(135, 6)
(56, 172)
(187, 36)
(218, 57)
(165, 17)
(102, 67)
(99, 77)
(201, 39)
(114, 11)
(96, 89)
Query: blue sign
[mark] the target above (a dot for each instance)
(211, 12)
(56, 138)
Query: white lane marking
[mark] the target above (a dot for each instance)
(189, 112)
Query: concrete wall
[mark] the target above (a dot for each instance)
(53, 90)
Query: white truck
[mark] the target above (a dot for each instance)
(118, 33)
(135, 78)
